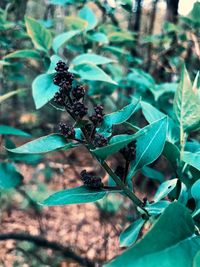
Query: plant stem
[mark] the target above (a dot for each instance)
(117, 180)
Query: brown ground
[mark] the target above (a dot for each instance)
(84, 228)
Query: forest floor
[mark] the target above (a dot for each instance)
(87, 229)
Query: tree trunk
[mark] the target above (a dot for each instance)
(138, 15)
(172, 11)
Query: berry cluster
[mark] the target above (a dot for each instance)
(71, 98)
(97, 117)
(91, 181)
(67, 131)
(129, 152)
(100, 140)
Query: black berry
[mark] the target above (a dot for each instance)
(79, 109)
(59, 98)
(129, 152)
(78, 92)
(61, 66)
(91, 181)
(100, 140)
(67, 131)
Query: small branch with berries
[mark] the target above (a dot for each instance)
(71, 97)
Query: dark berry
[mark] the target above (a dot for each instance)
(78, 109)
(67, 131)
(62, 78)
(100, 140)
(59, 99)
(98, 109)
(78, 92)
(91, 181)
(129, 152)
(96, 118)
(61, 66)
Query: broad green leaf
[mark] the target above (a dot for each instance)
(150, 145)
(152, 173)
(171, 153)
(129, 236)
(91, 72)
(168, 243)
(75, 195)
(152, 114)
(44, 144)
(99, 37)
(91, 58)
(121, 36)
(157, 208)
(9, 177)
(196, 262)
(40, 36)
(187, 104)
(75, 23)
(195, 190)
(4, 129)
(119, 116)
(164, 189)
(26, 53)
(87, 14)
(43, 89)
(194, 14)
(62, 38)
(116, 143)
(10, 94)
(192, 159)
(54, 59)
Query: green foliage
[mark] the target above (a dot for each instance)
(9, 177)
(187, 104)
(74, 196)
(43, 89)
(40, 36)
(161, 242)
(44, 144)
(8, 130)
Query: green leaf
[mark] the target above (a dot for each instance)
(116, 143)
(150, 145)
(164, 189)
(53, 59)
(171, 153)
(4, 129)
(9, 177)
(99, 37)
(187, 104)
(129, 236)
(157, 208)
(75, 195)
(91, 58)
(152, 173)
(44, 144)
(40, 36)
(75, 23)
(91, 72)
(195, 190)
(192, 159)
(196, 262)
(62, 38)
(121, 36)
(87, 14)
(26, 53)
(119, 116)
(168, 243)
(10, 94)
(43, 89)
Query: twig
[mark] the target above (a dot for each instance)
(41, 242)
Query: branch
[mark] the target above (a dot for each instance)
(42, 242)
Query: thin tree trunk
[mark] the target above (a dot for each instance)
(172, 11)
(150, 31)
